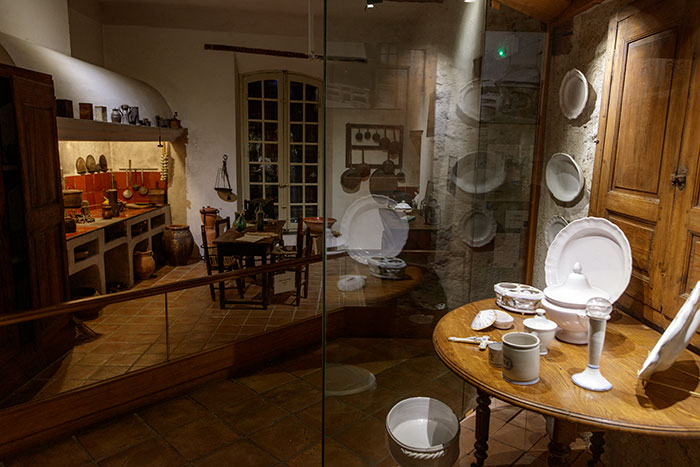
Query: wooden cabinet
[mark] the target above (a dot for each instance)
(33, 272)
(648, 133)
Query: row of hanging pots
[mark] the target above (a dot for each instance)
(383, 180)
(393, 147)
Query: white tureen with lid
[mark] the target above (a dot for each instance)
(564, 302)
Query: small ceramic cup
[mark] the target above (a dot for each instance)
(496, 354)
(521, 358)
(544, 331)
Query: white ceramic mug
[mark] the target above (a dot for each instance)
(521, 358)
(545, 335)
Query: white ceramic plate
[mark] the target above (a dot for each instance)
(371, 228)
(600, 247)
(478, 228)
(573, 94)
(563, 177)
(554, 225)
(479, 172)
(675, 338)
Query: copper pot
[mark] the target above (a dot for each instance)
(72, 199)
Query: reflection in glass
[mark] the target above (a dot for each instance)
(296, 153)
(255, 89)
(270, 131)
(312, 112)
(311, 211)
(255, 173)
(272, 191)
(270, 110)
(297, 135)
(311, 194)
(311, 173)
(270, 89)
(271, 173)
(256, 191)
(296, 112)
(296, 211)
(311, 154)
(296, 91)
(255, 131)
(311, 93)
(254, 110)
(254, 152)
(295, 174)
(295, 194)
(311, 133)
(270, 152)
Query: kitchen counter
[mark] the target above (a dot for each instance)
(101, 223)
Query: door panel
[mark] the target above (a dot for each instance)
(641, 139)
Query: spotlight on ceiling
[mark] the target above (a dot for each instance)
(370, 3)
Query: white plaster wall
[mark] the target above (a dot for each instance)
(85, 20)
(43, 22)
(202, 87)
(584, 48)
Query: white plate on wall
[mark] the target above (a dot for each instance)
(563, 177)
(479, 172)
(370, 228)
(478, 228)
(573, 94)
(553, 227)
(600, 247)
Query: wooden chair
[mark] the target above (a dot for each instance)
(303, 248)
(211, 257)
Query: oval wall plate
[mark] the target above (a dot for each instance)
(573, 94)
(478, 227)
(563, 177)
(554, 225)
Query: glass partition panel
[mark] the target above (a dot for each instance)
(431, 118)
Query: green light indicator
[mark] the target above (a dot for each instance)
(501, 52)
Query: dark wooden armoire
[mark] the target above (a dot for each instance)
(33, 265)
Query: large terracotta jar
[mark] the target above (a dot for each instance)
(144, 264)
(178, 243)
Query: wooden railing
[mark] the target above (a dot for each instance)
(104, 300)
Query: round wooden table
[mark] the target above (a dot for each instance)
(668, 404)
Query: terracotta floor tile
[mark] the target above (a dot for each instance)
(172, 414)
(517, 437)
(335, 456)
(64, 453)
(237, 454)
(286, 438)
(252, 415)
(338, 415)
(221, 394)
(200, 437)
(374, 400)
(80, 371)
(120, 433)
(294, 395)
(366, 437)
(501, 454)
(266, 379)
(153, 452)
(123, 359)
(531, 421)
(106, 372)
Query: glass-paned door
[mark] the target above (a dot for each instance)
(282, 116)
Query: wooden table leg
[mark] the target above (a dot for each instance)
(265, 284)
(563, 434)
(597, 447)
(483, 414)
(222, 284)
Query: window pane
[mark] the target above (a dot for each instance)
(271, 152)
(295, 212)
(296, 153)
(270, 110)
(311, 211)
(270, 131)
(311, 174)
(296, 91)
(311, 93)
(295, 174)
(255, 109)
(311, 133)
(312, 112)
(271, 173)
(254, 89)
(270, 89)
(271, 191)
(256, 191)
(296, 112)
(254, 152)
(295, 194)
(311, 154)
(255, 173)
(296, 133)
(311, 194)
(254, 131)
(276, 210)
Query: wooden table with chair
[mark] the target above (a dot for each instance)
(232, 243)
(668, 404)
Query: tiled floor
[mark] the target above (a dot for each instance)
(273, 417)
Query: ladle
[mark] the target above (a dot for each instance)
(128, 193)
(143, 191)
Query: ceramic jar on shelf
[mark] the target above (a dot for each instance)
(178, 243)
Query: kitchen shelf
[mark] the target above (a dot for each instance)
(73, 129)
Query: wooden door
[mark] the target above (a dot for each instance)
(641, 132)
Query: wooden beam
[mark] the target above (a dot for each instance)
(543, 10)
(575, 8)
